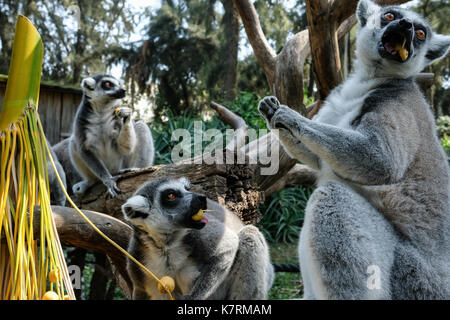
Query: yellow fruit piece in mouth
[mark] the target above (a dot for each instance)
(401, 50)
(199, 215)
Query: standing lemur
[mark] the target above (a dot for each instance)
(210, 255)
(378, 225)
(105, 140)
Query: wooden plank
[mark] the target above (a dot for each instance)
(50, 113)
(70, 102)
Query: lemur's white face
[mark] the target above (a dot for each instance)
(399, 42)
(102, 89)
(165, 205)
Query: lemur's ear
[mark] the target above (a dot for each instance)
(185, 181)
(365, 9)
(438, 49)
(88, 83)
(136, 207)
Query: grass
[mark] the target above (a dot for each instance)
(286, 285)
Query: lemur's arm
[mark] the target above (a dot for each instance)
(359, 156)
(126, 141)
(217, 267)
(98, 168)
(296, 149)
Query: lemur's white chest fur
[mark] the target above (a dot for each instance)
(101, 136)
(344, 103)
(341, 107)
(170, 260)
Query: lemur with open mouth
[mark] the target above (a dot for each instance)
(378, 225)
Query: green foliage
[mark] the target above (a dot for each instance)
(173, 56)
(446, 144)
(72, 50)
(283, 214)
(443, 125)
(286, 285)
(443, 129)
(438, 13)
(244, 105)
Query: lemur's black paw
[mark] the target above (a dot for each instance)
(268, 106)
(112, 188)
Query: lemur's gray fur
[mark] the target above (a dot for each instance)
(62, 151)
(105, 142)
(214, 258)
(382, 203)
(57, 196)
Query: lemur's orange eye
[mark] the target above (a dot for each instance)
(171, 196)
(389, 16)
(420, 34)
(108, 84)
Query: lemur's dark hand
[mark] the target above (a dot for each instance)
(268, 106)
(112, 188)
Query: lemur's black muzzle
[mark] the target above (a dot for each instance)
(396, 42)
(196, 218)
(118, 94)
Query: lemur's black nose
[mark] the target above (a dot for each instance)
(201, 198)
(405, 23)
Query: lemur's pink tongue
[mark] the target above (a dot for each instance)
(389, 47)
(204, 220)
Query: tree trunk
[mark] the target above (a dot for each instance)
(230, 49)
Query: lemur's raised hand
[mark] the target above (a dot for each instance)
(105, 140)
(211, 255)
(382, 205)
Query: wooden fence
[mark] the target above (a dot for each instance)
(57, 107)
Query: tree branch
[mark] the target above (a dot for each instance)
(236, 122)
(263, 52)
(73, 230)
(300, 174)
(342, 9)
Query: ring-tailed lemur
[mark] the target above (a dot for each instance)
(378, 224)
(210, 257)
(105, 140)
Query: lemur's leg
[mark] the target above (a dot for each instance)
(57, 194)
(291, 144)
(361, 156)
(347, 247)
(145, 152)
(252, 273)
(126, 141)
(91, 168)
